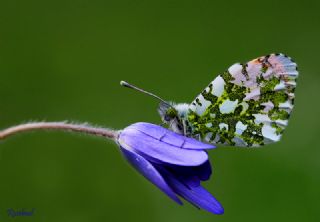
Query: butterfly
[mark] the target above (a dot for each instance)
(248, 105)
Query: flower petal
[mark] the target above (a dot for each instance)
(190, 181)
(170, 137)
(193, 174)
(156, 150)
(152, 130)
(196, 195)
(204, 171)
(149, 172)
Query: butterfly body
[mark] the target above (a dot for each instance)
(248, 105)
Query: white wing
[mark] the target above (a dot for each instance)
(248, 105)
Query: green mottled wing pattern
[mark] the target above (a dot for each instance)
(248, 105)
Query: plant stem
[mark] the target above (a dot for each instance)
(79, 128)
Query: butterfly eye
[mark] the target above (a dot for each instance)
(171, 113)
(167, 118)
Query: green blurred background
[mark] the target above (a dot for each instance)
(63, 60)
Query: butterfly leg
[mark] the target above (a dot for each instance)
(198, 137)
(184, 125)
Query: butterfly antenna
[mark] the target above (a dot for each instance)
(128, 85)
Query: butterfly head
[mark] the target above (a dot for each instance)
(167, 112)
(174, 115)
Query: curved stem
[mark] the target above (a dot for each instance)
(80, 128)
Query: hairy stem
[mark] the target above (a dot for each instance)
(79, 128)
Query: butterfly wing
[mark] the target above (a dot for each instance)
(248, 105)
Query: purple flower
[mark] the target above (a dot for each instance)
(174, 163)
